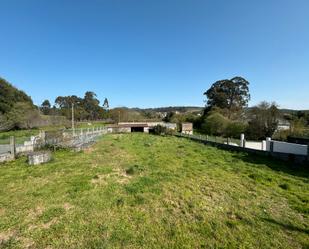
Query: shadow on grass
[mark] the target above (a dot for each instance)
(287, 226)
(275, 164)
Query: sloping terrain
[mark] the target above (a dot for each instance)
(144, 191)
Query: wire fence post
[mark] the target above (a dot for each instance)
(12, 146)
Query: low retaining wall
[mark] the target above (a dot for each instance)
(301, 159)
(6, 157)
(39, 157)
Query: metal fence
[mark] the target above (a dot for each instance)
(215, 139)
(77, 139)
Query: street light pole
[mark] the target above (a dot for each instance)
(73, 128)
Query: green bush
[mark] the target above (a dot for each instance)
(162, 130)
(234, 129)
(215, 124)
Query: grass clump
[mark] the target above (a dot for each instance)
(285, 186)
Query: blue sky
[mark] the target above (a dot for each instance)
(145, 53)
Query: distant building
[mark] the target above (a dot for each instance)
(127, 127)
(187, 128)
(283, 125)
(162, 114)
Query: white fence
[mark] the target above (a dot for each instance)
(276, 146)
(255, 145)
(283, 147)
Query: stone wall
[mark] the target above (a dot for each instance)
(6, 157)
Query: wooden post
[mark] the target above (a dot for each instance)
(13, 146)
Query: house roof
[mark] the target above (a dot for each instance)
(132, 125)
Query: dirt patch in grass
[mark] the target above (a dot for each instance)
(46, 225)
(6, 236)
(36, 212)
(26, 242)
(118, 175)
(90, 150)
(2, 211)
(67, 206)
(50, 223)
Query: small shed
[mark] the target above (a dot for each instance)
(187, 128)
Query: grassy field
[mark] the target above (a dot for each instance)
(144, 191)
(90, 124)
(24, 135)
(20, 135)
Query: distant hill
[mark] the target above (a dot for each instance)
(291, 111)
(17, 110)
(181, 109)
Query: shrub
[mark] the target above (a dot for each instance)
(215, 124)
(234, 129)
(162, 130)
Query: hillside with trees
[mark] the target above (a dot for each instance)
(17, 110)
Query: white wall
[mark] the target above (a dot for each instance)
(254, 145)
(292, 148)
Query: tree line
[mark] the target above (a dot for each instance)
(17, 110)
(227, 114)
(86, 108)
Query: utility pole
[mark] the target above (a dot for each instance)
(73, 128)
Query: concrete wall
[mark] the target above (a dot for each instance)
(124, 129)
(254, 145)
(24, 148)
(297, 158)
(290, 148)
(6, 157)
(172, 126)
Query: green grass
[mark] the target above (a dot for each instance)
(144, 191)
(90, 124)
(20, 135)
